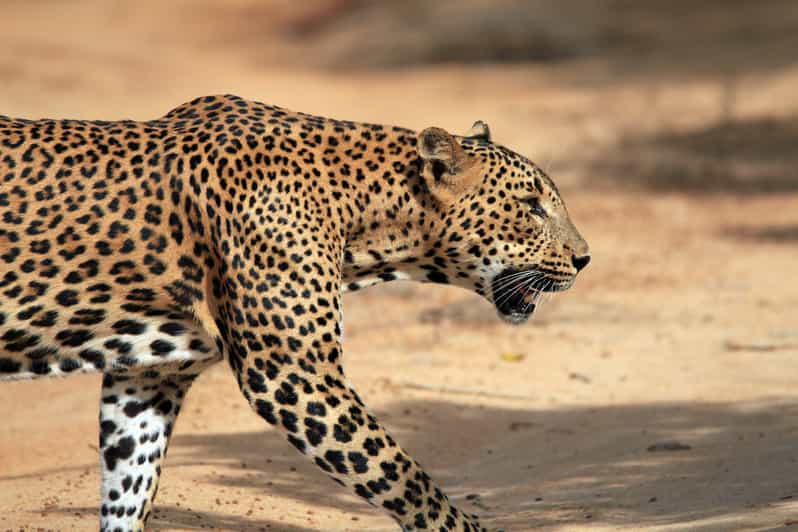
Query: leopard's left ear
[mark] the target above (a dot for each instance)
(448, 170)
(479, 130)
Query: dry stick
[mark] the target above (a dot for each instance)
(464, 391)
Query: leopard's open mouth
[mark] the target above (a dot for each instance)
(516, 293)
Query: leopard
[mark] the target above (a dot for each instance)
(228, 231)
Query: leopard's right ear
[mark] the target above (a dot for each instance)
(448, 170)
(479, 130)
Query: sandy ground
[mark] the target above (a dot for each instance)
(682, 329)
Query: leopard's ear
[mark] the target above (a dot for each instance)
(479, 130)
(448, 170)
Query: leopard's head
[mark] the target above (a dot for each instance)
(510, 237)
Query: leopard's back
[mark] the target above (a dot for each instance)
(96, 269)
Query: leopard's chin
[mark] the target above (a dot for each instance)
(516, 300)
(516, 318)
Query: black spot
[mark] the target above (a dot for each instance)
(340, 434)
(129, 327)
(332, 400)
(172, 328)
(137, 484)
(87, 316)
(315, 408)
(107, 428)
(289, 420)
(389, 470)
(315, 432)
(94, 357)
(28, 313)
(294, 344)
(362, 491)
(322, 464)
(265, 410)
(296, 442)
(40, 367)
(256, 381)
(371, 446)
(121, 451)
(8, 365)
(41, 352)
(68, 365)
(47, 319)
(73, 277)
(197, 345)
(74, 337)
(141, 294)
(67, 298)
(359, 462)
(12, 335)
(164, 407)
(271, 370)
(437, 277)
(161, 347)
(286, 395)
(336, 458)
(21, 343)
(134, 408)
(378, 486)
(119, 346)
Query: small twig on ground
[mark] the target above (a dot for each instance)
(763, 346)
(670, 445)
(464, 391)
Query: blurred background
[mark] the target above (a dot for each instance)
(656, 394)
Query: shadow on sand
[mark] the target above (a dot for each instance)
(532, 468)
(775, 234)
(755, 156)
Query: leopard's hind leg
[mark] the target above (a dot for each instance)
(137, 415)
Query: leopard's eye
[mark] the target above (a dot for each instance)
(535, 206)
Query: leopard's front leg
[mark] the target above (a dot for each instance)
(324, 419)
(281, 337)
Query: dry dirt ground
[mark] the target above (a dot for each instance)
(682, 329)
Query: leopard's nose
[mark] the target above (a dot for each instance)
(580, 262)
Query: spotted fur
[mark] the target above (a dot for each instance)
(228, 229)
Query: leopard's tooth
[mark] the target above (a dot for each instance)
(529, 298)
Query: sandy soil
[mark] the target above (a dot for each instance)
(682, 329)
